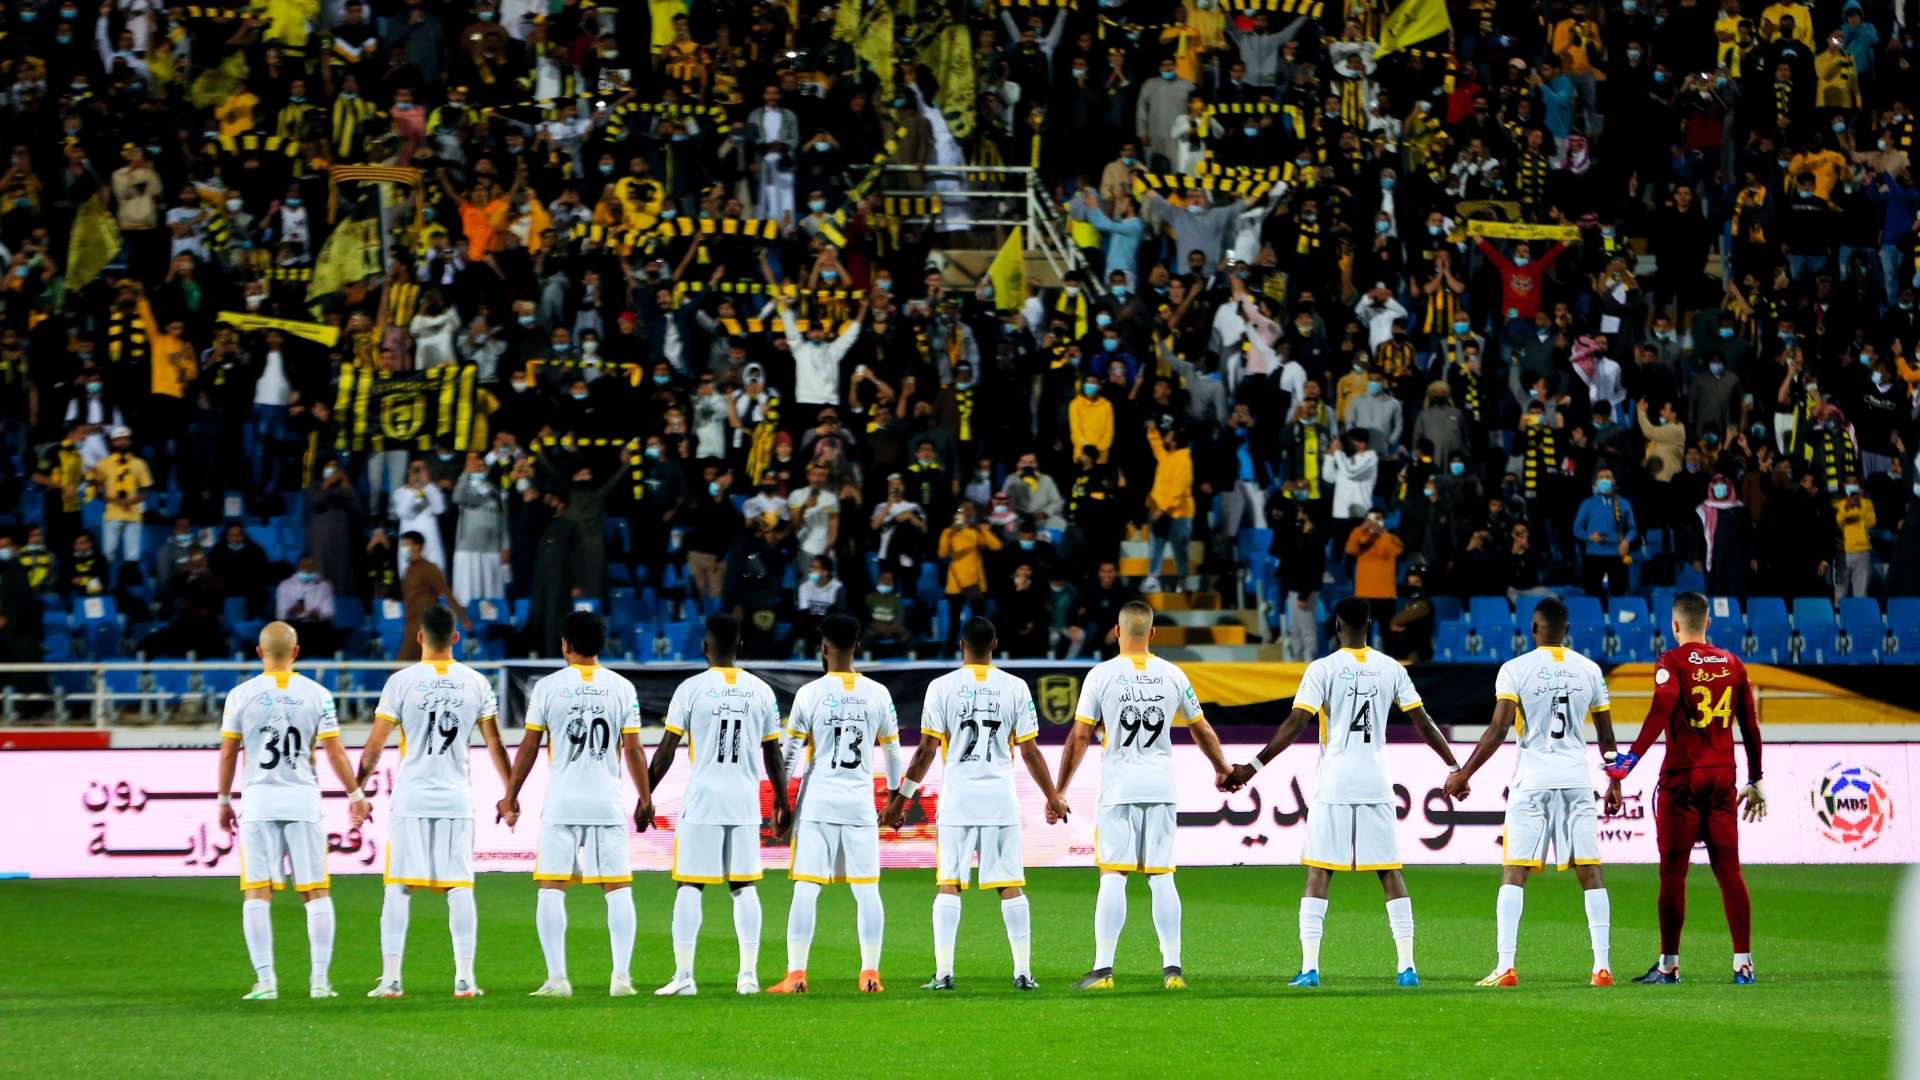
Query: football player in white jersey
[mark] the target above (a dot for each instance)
(723, 713)
(839, 718)
(1350, 824)
(1136, 700)
(1544, 695)
(436, 704)
(279, 720)
(590, 719)
(975, 718)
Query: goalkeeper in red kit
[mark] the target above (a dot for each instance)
(1700, 692)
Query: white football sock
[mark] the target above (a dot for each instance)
(550, 922)
(1600, 927)
(256, 921)
(806, 899)
(1506, 916)
(1669, 963)
(620, 929)
(394, 907)
(686, 929)
(946, 928)
(1742, 959)
(320, 938)
(871, 922)
(1400, 923)
(746, 927)
(463, 924)
(1109, 918)
(1018, 916)
(1166, 917)
(1313, 922)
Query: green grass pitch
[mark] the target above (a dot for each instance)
(136, 977)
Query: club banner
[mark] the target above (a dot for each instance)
(406, 410)
(151, 813)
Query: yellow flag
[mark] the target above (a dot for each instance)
(94, 242)
(351, 254)
(876, 44)
(950, 58)
(846, 22)
(1412, 22)
(1008, 273)
(322, 333)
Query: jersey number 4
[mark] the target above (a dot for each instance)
(1706, 710)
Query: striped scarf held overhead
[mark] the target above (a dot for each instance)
(126, 337)
(1310, 451)
(760, 452)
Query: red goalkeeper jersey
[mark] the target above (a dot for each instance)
(1699, 693)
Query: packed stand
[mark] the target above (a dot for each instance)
(310, 308)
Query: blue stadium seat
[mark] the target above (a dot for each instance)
(521, 606)
(1819, 633)
(349, 613)
(1632, 627)
(1450, 641)
(1771, 630)
(586, 603)
(1493, 622)
(1903, 618)
(1250, 542)
(1687, 579)
(685, 639)
(1586, 626)
(623, 606)
(389, 623)
(1866, 633)
(1728, 621)
(1447, 607)
(1523, 606)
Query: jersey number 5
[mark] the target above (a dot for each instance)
(1706, 710)
(1562, 717)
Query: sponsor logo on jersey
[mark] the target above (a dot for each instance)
(1853, 806)
(1709, 658)
(1056, 698)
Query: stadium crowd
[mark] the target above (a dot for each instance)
(1575, 294)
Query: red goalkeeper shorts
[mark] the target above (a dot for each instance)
(1692, 806)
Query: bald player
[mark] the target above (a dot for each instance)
(1136, 699)
(279, 720)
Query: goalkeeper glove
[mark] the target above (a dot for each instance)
(1622, 764)
(1755, 802)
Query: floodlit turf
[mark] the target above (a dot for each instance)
(144, 977)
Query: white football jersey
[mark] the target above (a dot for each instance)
(1136, 701)
(1556, 690)
(584, 710)
(841, 717)
(1351, 690)
(279, 718)
(724, 714)
(436, 704)
(979, 713)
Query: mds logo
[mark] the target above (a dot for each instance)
(1853, 806)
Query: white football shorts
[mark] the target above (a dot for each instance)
(998, 847)
(266, 847)
(1134, 837)
(1564, 819)
(716, 854)
(826, 853)
(430, 853)
(588, 854)
(1351, 836)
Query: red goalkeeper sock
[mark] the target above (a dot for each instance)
(1733, 897)
(1673, 910)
